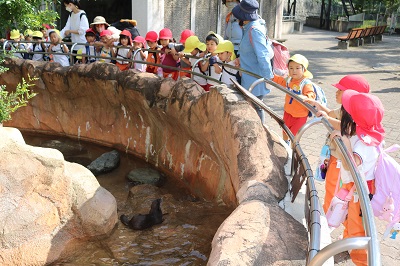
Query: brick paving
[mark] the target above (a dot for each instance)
(379, 63)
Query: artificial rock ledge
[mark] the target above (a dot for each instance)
(212, 142)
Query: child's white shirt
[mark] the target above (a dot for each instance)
(92, 51)
(138, 57)
(368, 156)
(38, 48)
(213, 75)
(122, 53)
(105, 53)
(60, 58)
(225, 76)
(198, 79)
(18, 46)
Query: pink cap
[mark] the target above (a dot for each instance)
(367, 112)
(353, 82)
(105, 33)
(141, 40)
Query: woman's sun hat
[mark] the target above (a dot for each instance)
(192, 43)
(353, 82)
(99, 20)
(246, 10)
(226, 46)
(367, 112)
(302, 60)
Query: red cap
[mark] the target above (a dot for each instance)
(367, 112)
(141, 40)
(186, 34)
(165, 34)
(151, 36)
(105, 33)
(353, 82)
(127, 34)
(90, 30)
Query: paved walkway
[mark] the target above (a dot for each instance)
(379, 63)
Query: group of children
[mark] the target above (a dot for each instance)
(163, 50)
(358, 122)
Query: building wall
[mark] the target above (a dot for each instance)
(304, 8)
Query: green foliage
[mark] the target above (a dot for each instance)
(24, 14)
(11, 101)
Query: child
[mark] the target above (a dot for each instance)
(89, 48)
(349, 82)
(56, 47)
(139, 43)
(106, 50)
(211, 67)
(361, 132)
(123, 52)
(169, 56)
(39, 46)
(195, 48)
(179, 48)
(295, 115)
(226, 54)
(28, 38)
(152, 57)
(17, 47)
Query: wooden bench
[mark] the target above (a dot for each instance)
(351, 39)
(379, 32)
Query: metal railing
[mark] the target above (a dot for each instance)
(300, 169)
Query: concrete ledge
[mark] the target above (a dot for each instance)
(343, 45)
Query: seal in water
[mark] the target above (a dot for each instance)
(143, 221)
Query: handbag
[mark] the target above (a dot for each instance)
(339, 206)
(323, 161)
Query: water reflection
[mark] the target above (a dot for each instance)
(184, 237)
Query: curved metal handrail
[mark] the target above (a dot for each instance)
(369, 222)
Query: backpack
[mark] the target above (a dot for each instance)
(386, 200)
(319, 92)
(280, 59)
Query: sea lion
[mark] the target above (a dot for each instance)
(143, 221)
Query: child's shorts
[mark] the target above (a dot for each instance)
(294, 123)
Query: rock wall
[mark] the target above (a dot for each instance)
(211, 141)
(49, 208)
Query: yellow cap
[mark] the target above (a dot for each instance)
(53, 30)
(302, 60)
(37, 34)
(226, 46)
(79, 54)
(14, 34)
(192, 43)
(219, 37)
(28, 32)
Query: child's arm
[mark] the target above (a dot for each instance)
(184, 59)
(217, 67)
(66, 50)
(114, 52)
(308, 91)
(347, 144)
(174, 54)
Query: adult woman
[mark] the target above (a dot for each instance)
(76, 25)
(233, 32)
(98, 25)
(253, 51)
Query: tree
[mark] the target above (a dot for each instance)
(26, 14)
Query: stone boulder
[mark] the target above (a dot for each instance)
(105, 163)
(145, 176)
(49, 208)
